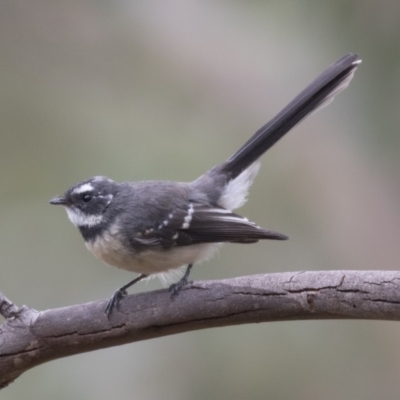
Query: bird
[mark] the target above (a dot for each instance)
(153, 227)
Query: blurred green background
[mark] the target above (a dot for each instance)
(165, 90)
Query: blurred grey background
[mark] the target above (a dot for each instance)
(165, 90)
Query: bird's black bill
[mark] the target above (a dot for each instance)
(59, 201)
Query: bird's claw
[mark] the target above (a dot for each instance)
(114, 301)
(175, 288)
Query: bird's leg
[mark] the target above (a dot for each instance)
(119, 294)
(175, 288)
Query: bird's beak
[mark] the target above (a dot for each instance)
(59, 201)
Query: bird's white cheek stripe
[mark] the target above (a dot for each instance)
(80, 219)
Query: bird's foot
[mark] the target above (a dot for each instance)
(175, 288)
(114, 301)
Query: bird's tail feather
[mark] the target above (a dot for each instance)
(316, 95)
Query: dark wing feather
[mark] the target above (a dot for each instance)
(213, 225)
(203, 224)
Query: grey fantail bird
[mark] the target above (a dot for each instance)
(151, 227)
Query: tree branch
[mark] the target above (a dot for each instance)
(29, 338)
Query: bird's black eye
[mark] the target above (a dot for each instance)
(86, 197)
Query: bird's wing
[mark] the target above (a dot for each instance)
(198, 223)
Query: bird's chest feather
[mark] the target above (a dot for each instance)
(109, 249)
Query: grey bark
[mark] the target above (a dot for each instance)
(29, 337)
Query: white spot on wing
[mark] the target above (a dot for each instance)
(188, 219)
(186, 224)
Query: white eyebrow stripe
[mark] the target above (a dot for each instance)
(86, 187)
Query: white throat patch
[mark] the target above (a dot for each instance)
(78, 218)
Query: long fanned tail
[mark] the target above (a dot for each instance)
(316, 95)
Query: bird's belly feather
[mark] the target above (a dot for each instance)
(151, 261)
